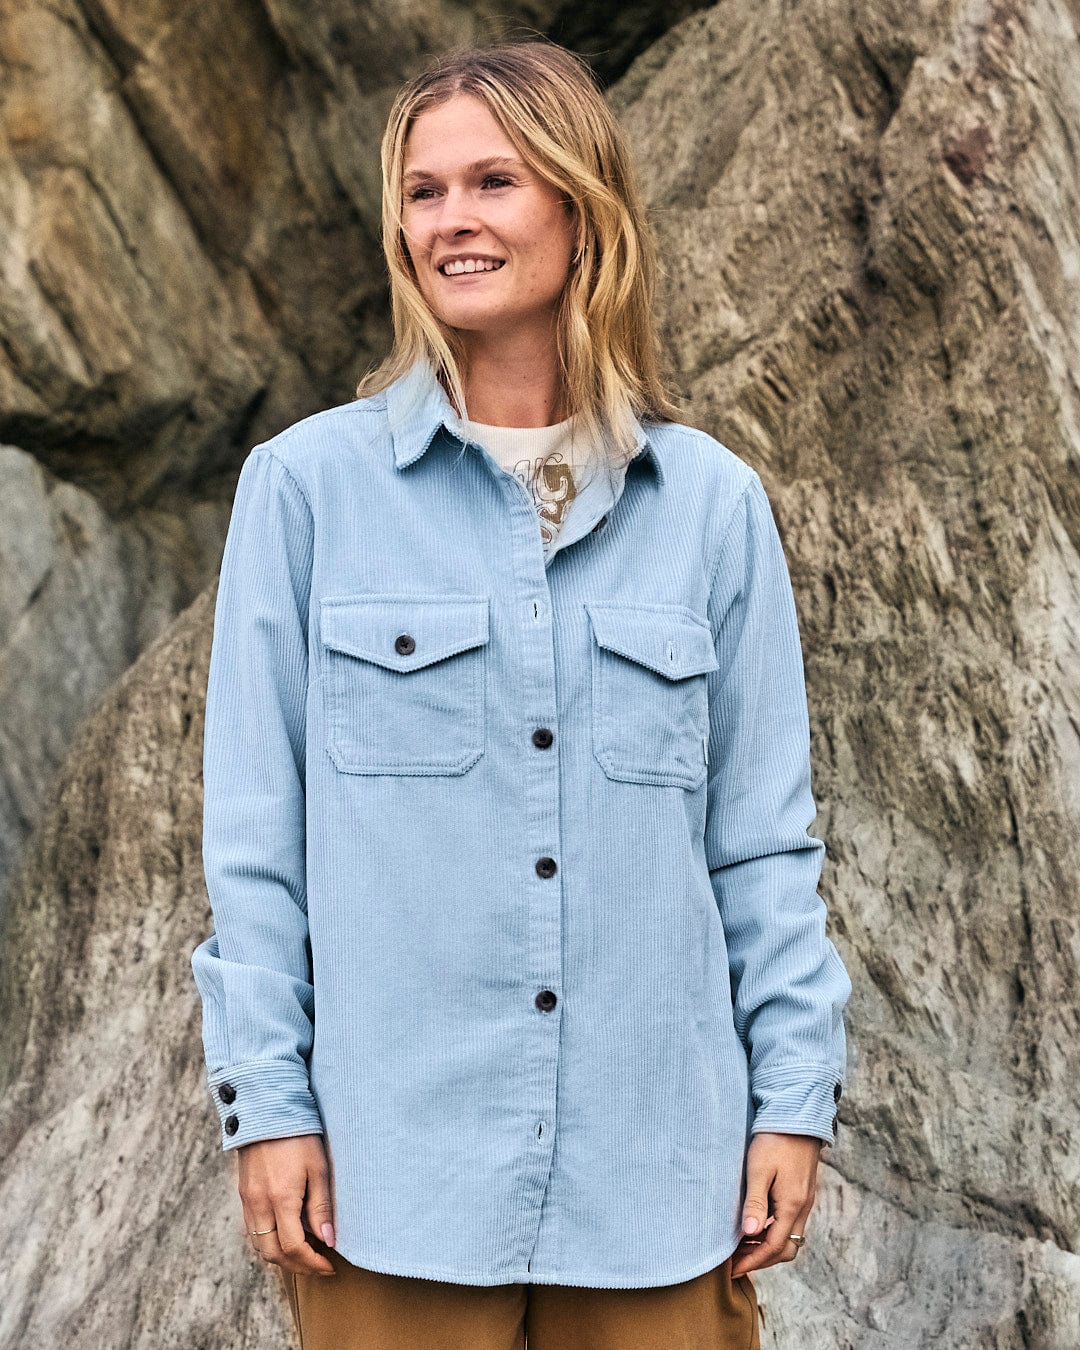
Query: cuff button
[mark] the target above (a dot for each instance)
(227, 1093)
(232, 1124)
(836, 1092)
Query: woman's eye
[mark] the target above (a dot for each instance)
(492, 180)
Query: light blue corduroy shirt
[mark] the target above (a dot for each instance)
(513, 892)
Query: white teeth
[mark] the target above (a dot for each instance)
(458, 266)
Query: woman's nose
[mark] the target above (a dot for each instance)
(457, 213)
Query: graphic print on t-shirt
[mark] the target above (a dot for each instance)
(551, 464)
(550, 480)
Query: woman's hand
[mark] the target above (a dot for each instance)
(782, 1167)
(275, 1177)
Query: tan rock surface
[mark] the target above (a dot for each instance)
(870, 233)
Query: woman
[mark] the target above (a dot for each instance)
(519, 1006)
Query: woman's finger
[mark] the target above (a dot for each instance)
(286, 1245)
(774, 1240)
(297, 1253)
(258, 1217)
(801, 1220)
(319, 1205)
(760, 1175)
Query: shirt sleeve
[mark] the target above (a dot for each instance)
(253, 972)
(789, 985)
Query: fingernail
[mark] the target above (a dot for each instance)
(752, 1225)
(328, 1234)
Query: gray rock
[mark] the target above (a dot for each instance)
(81, 595)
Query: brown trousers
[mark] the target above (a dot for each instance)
(357, 1309)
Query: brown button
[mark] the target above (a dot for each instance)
(404, 645)
(836, 1092)
(543, 737)
(232, 1124)
(227, 1093)
(546, 1000)
(546, 867)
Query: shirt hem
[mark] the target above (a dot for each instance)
(573, 1279)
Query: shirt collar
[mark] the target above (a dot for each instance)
(417, 406)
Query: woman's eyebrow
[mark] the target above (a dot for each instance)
(480, 166)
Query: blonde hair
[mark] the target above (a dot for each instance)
(547, 101)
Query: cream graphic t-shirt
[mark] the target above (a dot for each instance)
(549, 461)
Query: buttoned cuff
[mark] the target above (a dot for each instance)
(797, 1101)
(268, 1099)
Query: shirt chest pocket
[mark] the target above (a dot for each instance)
(404, 682)
(650, 710)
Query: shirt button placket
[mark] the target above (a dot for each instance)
(541, 970)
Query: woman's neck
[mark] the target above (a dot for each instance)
(514, 389)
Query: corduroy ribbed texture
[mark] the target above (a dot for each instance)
(514, 896)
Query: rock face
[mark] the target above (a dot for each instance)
(870, 236)
(116, 1206)
(81, 594)
(189, 210)
(868, 223)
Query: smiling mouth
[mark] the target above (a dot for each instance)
(481, 269)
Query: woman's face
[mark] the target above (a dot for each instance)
(468, 195)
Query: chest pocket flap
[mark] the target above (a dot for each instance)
(438, 626)
(666, 638)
